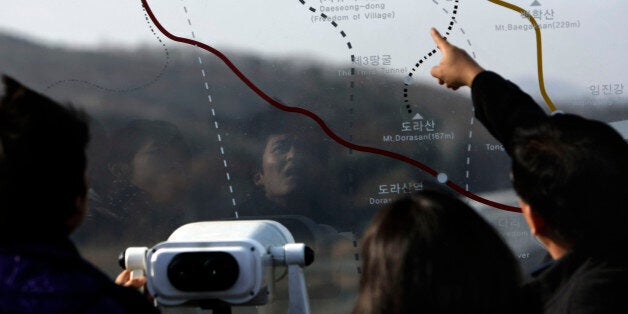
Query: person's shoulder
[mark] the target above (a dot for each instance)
(106, 296)
(110, 297)
(32, 284)
(579, 283)
(122, 300)
(602, 270)
(602, 274)
(598, 286)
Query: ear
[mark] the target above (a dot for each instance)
(535, 222)
(81, 209)
(258, 178)
(77, 217)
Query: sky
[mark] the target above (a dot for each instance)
(591, 52)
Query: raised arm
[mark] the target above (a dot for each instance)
(499, 104)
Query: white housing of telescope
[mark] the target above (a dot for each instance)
(230, 261)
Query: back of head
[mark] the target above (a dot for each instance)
(42, 162)
(572, 171)
(431, 253)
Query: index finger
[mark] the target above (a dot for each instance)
(438, 38)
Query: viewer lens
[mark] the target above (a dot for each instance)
(203, 271)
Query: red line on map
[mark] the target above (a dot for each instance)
(318, 120)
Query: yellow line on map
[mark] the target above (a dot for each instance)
(539, 50)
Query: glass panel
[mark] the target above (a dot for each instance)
(312, 113)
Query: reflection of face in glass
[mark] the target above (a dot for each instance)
(290, 168)
(160, 170)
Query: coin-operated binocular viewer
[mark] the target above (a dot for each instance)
(219, 264)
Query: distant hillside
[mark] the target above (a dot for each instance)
(168, 83)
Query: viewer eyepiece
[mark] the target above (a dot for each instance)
(203, 271)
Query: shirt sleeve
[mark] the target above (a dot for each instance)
(502, 107)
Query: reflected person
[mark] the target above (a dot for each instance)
(292, 171)
(148, 195)
(295, 188)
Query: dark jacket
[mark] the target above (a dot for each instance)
(502, 107)
(578, 282)
(53, 278)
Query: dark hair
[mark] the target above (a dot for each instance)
(431, 253)
(42, 161)
(266, 123)
(573, 171)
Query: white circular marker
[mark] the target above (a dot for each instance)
(441, 177)
(408, 80)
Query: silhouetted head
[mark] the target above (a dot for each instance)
(42, 163)
(573, 173)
